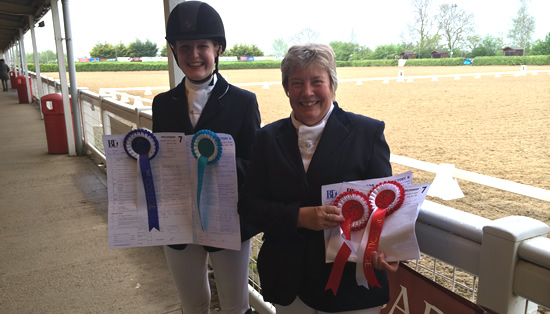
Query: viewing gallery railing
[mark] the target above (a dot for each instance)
(506, 262)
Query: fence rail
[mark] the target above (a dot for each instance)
(508, 257)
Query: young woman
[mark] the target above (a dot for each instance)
(205, 100)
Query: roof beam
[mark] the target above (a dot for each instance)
(16, 9)
(10, 24)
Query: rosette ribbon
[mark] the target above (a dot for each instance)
(356, 212)
(383, 200)
(143, 146)
(207, 149)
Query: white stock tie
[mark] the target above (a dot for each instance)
(197, 101)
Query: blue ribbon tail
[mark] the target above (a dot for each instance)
(203, 214)
(148, 184)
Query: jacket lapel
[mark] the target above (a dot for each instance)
(214, 104)
(287, 141)
(333, 136)
(179, 102)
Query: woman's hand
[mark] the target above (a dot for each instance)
(379, 262)
(319, 217)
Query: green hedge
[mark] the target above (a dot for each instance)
(501, 60)
(234, 65)
(525, 60)
(107, 66)
(435, 62)
(367, 63)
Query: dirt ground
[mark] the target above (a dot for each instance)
(498, 126)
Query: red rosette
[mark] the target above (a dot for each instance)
(388, 195)
(384, 199)
(355, 209)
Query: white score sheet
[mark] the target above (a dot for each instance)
(174, 171)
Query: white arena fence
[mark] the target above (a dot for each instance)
(506, 261)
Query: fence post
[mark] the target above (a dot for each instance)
(499, 257)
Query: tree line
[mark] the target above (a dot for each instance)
(446, 27)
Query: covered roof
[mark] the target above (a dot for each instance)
(512, 48)
(14, 16)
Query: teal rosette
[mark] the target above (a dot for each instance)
(207, 149)
(142, 145)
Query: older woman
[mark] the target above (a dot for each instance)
(318, 144)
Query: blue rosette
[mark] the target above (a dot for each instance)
(142, 145)
(207, 149)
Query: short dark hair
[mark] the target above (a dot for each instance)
(301, 56)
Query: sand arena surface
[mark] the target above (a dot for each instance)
(497, 126)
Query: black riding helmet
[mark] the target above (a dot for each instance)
(192, 20)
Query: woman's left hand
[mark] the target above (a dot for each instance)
(379, 261)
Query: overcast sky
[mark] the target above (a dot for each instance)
(369, 23)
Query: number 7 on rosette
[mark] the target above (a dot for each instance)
(142, 145)
(207, 149)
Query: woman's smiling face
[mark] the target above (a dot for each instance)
(196, 58)
(310, 94)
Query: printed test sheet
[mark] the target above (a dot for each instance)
(174, 171)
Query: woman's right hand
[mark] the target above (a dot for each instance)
(319, 217)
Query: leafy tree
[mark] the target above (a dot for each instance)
(44, 57)
(455, 24)
(474, 41)
(103, 50)
(487, 46)
(306, 35)
(280, 47)
(142, 49)
(349, 51)
(121, 50)
(343, 51)
(541, 47)
(361, 53)
(164, 51)
(523, 27)
(241, 50)
(387, 51)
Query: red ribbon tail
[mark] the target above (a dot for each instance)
(338, 268)
(372, 244)
(371, 278)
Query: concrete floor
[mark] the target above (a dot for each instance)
(53, 227)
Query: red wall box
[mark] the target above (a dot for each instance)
(54, 121)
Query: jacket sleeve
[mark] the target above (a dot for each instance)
(379, 165)
(263, 204)
(246, 137)
(156, 114)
